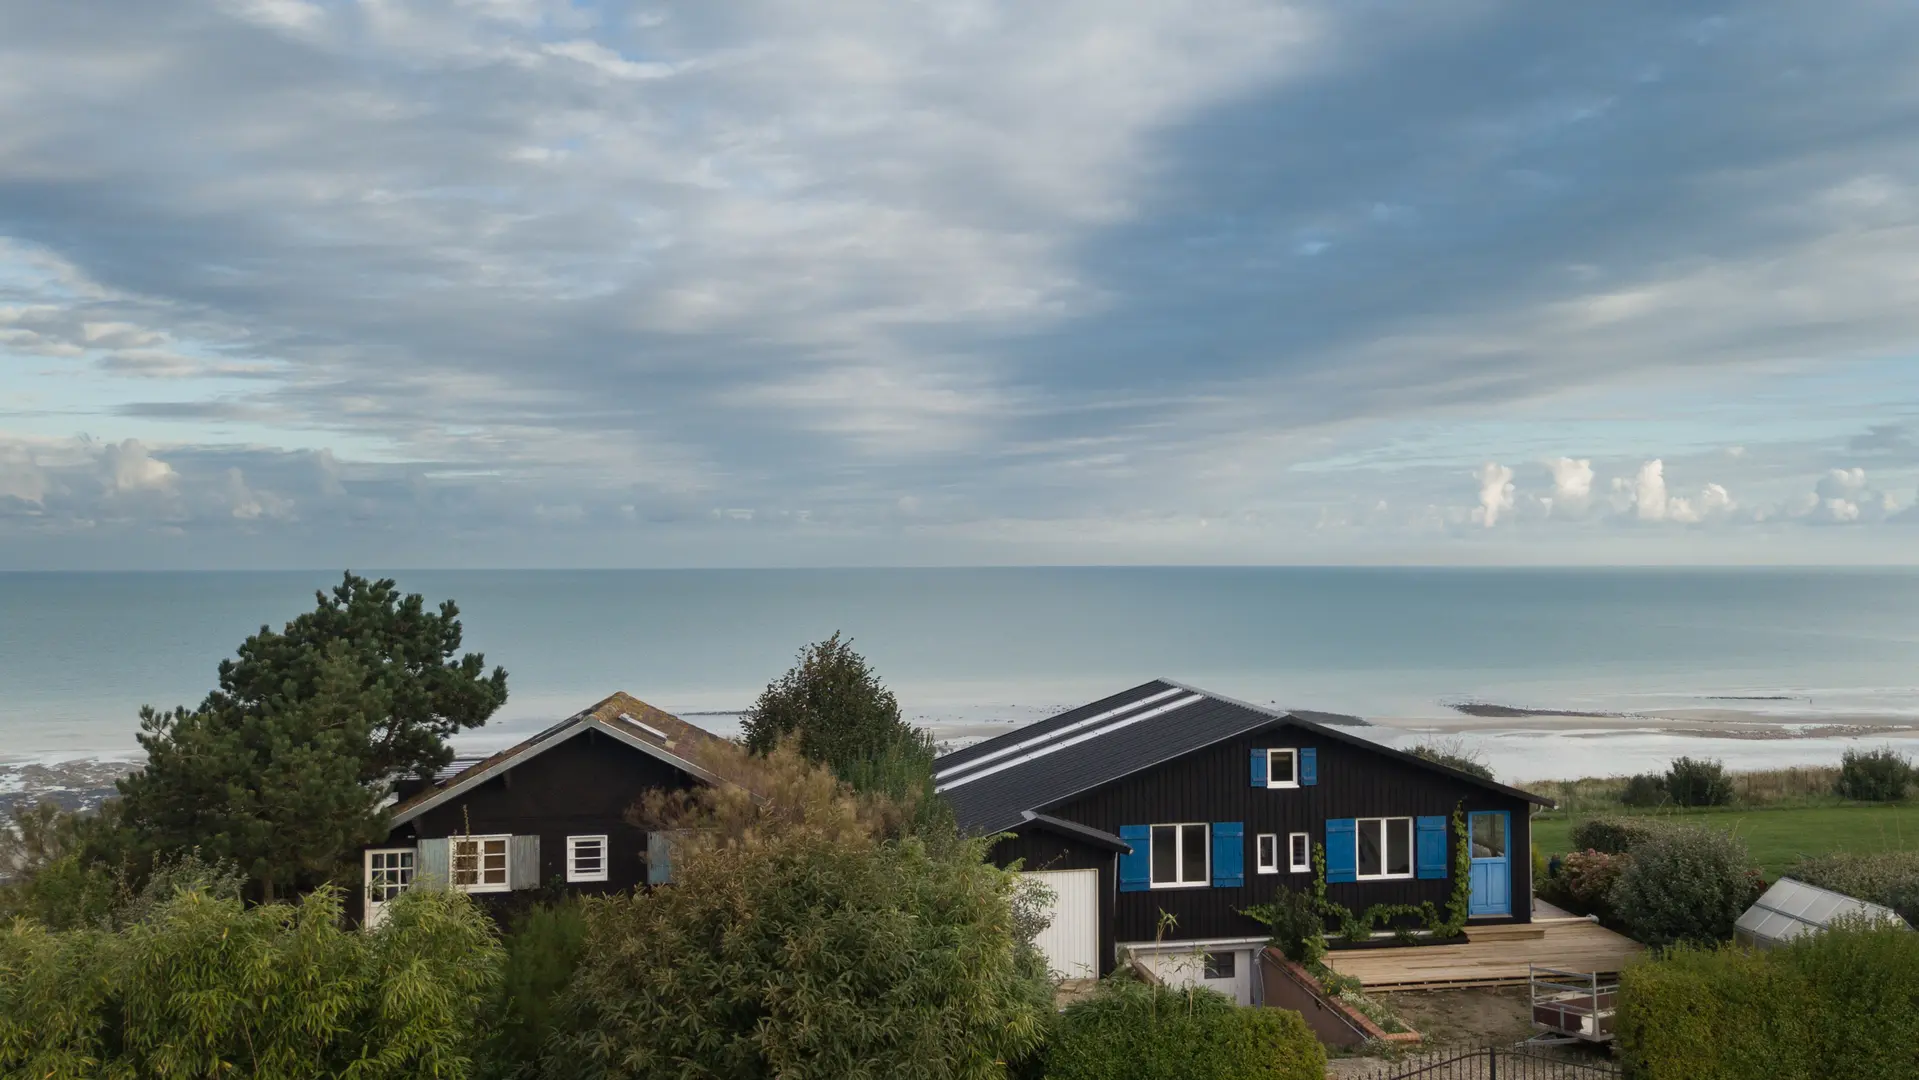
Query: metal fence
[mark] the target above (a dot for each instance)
(1521, 1062)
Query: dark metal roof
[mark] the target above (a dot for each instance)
(991, 784)
(1073, 830)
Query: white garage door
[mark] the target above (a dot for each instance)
(1071, 942)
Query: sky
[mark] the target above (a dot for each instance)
(404, 283)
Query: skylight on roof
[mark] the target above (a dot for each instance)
(648, 728)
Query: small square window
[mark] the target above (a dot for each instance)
(1282, 768)
(1300, 853)
(1222, 965)
(586, 858)
(1268, 851)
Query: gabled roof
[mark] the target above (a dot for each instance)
(622, 716)
(990, 784)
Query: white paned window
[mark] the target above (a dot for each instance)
(1268, 848)
(388, 873)
(1282, 768)
(1385, 848)
(586, 858)
(1299, 853)
(479, 863)
(1180, 857)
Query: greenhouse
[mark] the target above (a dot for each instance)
(1791, 908)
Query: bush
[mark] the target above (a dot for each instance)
(1616, 835)
(1298, 928)
(1835, 1004)
(1585, 881)
(542, 950)
(1687, 885)
(205, 987)
(800, 954)
(1874, 776)
(1890, 878)
(1643, 790)
(1698, 783)
(1140, 1032)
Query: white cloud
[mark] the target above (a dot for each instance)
(20, 477)
(1495, 493)
(130, 468)
(1572, 486)
(1645, 498)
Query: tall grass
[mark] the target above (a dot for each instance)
(1806, 785)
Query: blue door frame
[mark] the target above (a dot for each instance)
(1492, 874)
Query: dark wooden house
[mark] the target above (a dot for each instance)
(550, 812)
(1157, 815)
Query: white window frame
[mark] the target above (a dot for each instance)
(480, 884)
(1264, 845)
(1299, 852)
(1215, 960)
(1272, 778)
(573, 845)
(1385, 849)
(1179, 855)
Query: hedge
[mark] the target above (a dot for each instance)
(1837, 1004)
(1130, 1030)
(1890, 878)
(1684, 885)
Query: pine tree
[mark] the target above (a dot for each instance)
(282, 769)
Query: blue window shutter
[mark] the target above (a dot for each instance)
(1341, 850)
(1135, 868)
(1229, 854)
(1308, 767)
(1259, 768)
(659, 858)
(1429, 851)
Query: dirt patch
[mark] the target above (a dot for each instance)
(1465, 1017)
(1449, 1019)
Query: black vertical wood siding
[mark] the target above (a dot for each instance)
(1215, 784)
(582, 787)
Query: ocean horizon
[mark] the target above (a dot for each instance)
(1758, 665)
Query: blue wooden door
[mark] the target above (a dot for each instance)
(1490, 834)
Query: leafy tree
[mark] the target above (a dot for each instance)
(834, 704)
(1455, 754)
(801, 941)
(206, 987)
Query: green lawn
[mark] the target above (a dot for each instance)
(1778, 836)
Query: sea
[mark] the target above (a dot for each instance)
(1815, 660)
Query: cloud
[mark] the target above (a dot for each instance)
(1645, 498)
(1022, 262)
(1495, 493)
(1572, 486)
(1841, 497)
(130, 468)
(20, 477)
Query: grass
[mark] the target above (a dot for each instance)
(1776, 835)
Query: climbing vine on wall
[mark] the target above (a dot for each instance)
(1358, 926)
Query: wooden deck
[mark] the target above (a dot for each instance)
(1492, 955)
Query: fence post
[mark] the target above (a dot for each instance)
(1492, 1062)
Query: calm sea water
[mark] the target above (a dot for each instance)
(80, 652)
